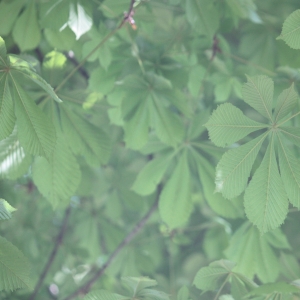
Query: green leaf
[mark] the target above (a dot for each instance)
(175, 203)
(291, 30)
(23, 67)
(286, 102)
(183, 293)
(26, 31)
(290, 173)
(35, 131)
(252, 254)
(9, 11)
(85, 138)
(258, 93)
(103, 295)
(79, 21)
(276, 287)
(13, 161)
(15, 269)
(150, 176)
(114, 8)
(228, 124)
(224, 207)
(5, 210)
(4, 61)
(61, 40)
(291, 133)
(266, 203)
(7, 116)
(58, 178)
(136, 284)
(203, 16)
(208, 278)
(233, 170)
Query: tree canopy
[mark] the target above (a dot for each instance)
(149, 150)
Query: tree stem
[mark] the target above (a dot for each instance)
(52, 256)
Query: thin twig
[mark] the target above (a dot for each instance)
(52, 256)
(84, 289)
(74, 61)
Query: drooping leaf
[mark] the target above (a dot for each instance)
(35, 131)
(175, 203)
(58, 178)
(291, 30)
(290, 175)
(79, 20)
(286, 102)
(26, 31)
(228, 124)
(7, 116)
(150, 176)
(203, 16)
(266, 203)
(258, 93)
(233, 170)
(15, 268)
(5, 210)
(13, 161)
(85, 138)
(20, 66)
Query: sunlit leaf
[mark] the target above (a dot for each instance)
(5, 210)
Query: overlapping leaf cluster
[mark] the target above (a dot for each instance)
(266, 196)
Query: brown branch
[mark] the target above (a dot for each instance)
(84, 289)
(52, 256)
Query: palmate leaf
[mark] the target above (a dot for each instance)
(7, 116)
(258, 93)
(286, 102)
(290, 172)
(175, 204)
(233, 170)
(228, 124)
(291, 30)
(13, 161)
(266, 202)
(5, 210)
(58, 178)
(15, 269)
(84, 138)
(253, 254)
(35, 131)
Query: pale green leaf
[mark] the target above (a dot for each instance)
(79, 20)
(136, 284)
(291, 30)
(58, 178)
(175, 203)
(4, 61)
(5, 210)
(35, 131)
(21, 66)
(227, 208)
(9, 11)
(276, 287)
(266, 203)
(150, 176)
(26, 32)
(7, 116)
(290, 173)
(228, 124)
(137, 128)
(103, 295)
(203, 16)
(13, 161)
(233, 170)
(152, 295)
(15, 268)
(183, 293)
(291, 133)
(85, 138)
(286, 102)
(258, 93)
(114, 8)
(60, 40)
